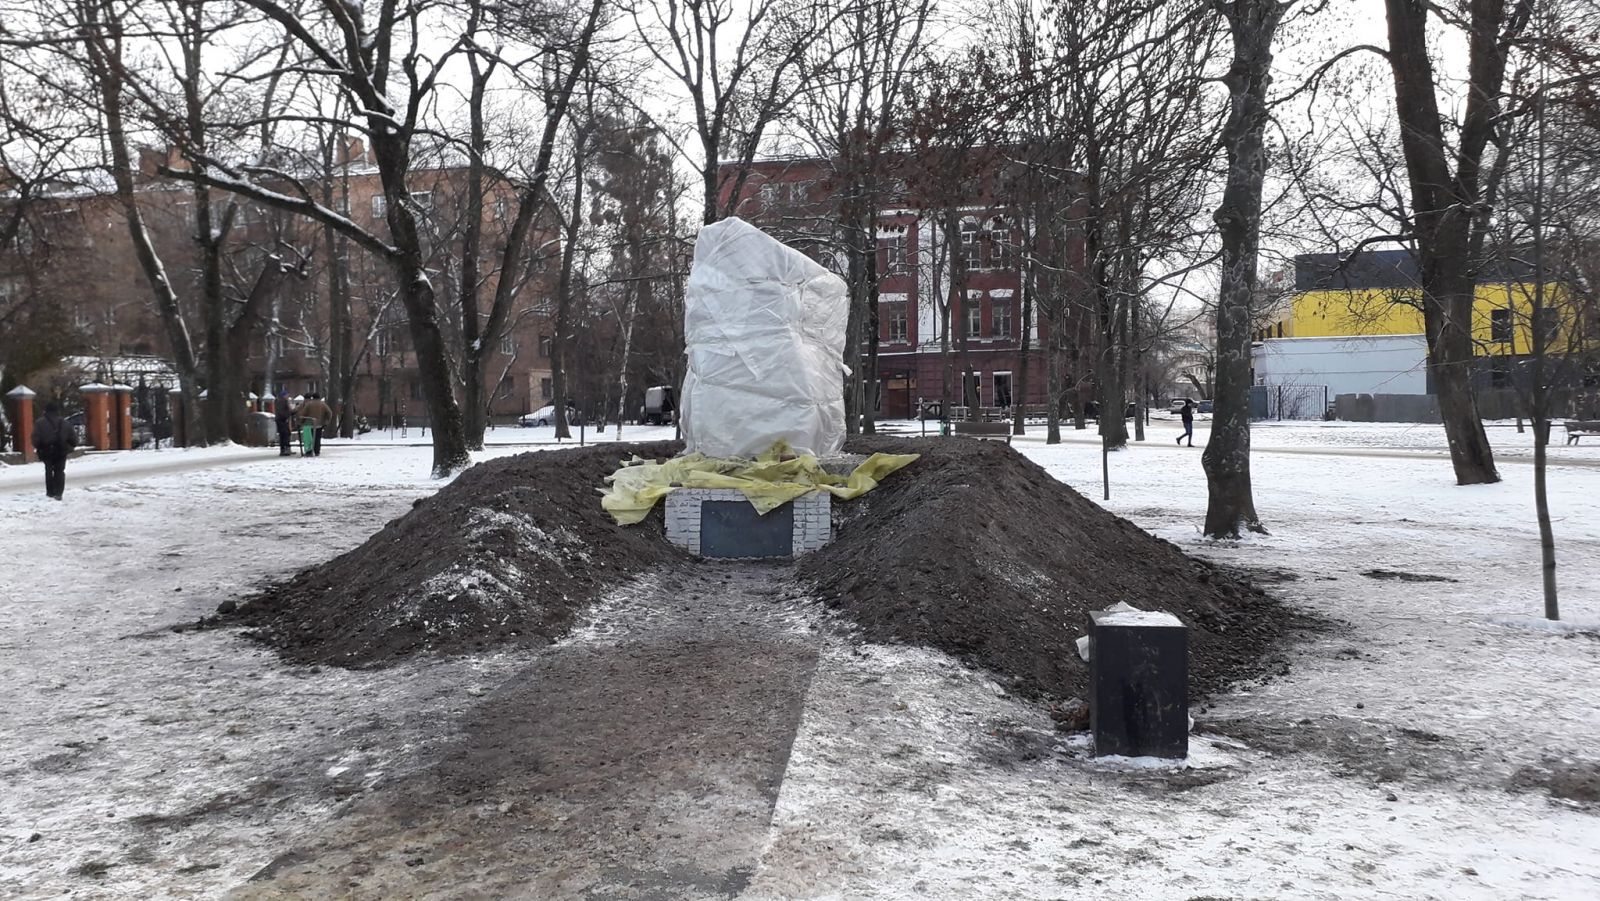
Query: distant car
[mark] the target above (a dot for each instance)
(546, 415)
(1200, 406)
(659, 405)
(1091, 410)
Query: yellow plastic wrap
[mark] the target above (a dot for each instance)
(768, 482)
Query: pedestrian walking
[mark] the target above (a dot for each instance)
(1188, 423)
(284, 416)
(53, 439)
(314, 416)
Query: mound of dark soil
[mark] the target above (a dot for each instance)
(507, 553)
(976, 550)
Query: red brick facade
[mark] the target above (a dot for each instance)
(78, 256)
(794, 199)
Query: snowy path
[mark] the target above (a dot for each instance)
(638, 759)
(119, 466)
(155, 764)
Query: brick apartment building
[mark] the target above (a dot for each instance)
(793, 199)
(75, 253)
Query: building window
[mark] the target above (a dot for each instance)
(894, 255)
(423, 200)
(1002, 389)
(544, 346)
(1002, 253)
(1280, 329)
(545, 389)
(974, 317)
(972, 384)
(1500, 373)
(1500, 325)
(500, 208)
(971, 249)
(380, 206)
(416, 391)
(895, 316)
(508, 345)
(1000, 318)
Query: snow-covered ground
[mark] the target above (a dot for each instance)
(1419, 694)
(1402, 756)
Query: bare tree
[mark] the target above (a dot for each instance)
(1252, 25)
(861, 63)
(740, 63)
(377, 64)
(1446, 185)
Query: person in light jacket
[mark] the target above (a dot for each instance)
(314, 415)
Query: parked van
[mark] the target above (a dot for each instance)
(659, 405)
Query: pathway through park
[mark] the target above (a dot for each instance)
(640, 759)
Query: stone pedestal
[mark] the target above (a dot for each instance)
(1139, 683)
(719, 522)
(19, 407)
(96, 415)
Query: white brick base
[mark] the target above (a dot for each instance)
(813, 517)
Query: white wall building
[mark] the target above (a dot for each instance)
(1376, 364)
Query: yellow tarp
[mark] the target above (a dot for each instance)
(769, 481)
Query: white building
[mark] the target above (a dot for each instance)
(1311, 372)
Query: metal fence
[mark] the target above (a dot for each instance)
(1289, 402)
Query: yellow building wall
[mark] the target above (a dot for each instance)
(1394, 311)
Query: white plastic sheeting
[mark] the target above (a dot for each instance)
(765, 330)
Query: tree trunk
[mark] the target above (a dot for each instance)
(855, 275)
(1539, 317)
(558, 341)
(416, 292)
(1231, 501)
(241, 337)
(474, 342)
(869, 377)
(336, 249)
(1019, 401)
(1141, 398)
(1445, 207)
(104, 49)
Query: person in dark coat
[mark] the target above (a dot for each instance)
(53, 439)
(285, 419)
(1188, 423)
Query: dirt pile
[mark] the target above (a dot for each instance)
(976, 550)
(507, 553)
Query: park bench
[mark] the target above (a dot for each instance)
(1577, 428)
(990, 431)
